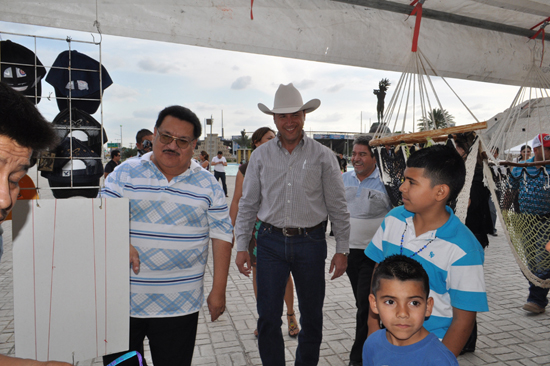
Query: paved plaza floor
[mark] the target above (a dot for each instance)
(507, 335)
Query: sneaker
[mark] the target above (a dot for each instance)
(533, 308)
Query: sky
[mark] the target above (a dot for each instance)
(150, 75)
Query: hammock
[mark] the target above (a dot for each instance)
(522, 190)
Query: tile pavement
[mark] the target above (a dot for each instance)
(507, 335)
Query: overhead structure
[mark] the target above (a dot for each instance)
(481, 40)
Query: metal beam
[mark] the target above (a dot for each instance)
(444, 17)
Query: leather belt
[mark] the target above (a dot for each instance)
(293, 231)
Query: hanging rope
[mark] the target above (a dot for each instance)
(418, 12)
(543, 25)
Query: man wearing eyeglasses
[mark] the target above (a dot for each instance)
(176, 207)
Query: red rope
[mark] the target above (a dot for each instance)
(105, 340)
(251, 5)
(34, 284)
(51, 279)
(418, 12)
(95, 280)
(533, 27)
(543, 25)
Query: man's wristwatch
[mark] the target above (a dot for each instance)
(346, 254)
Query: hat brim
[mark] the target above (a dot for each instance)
(307, 108)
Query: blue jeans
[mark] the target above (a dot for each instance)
(277, 256)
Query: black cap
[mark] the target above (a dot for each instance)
(18, 69)
(84, 81)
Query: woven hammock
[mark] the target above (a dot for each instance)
(523, 192)
(411, 102)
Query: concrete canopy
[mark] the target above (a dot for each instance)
(481, 40)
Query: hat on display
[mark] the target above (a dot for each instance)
(289, 100)
(542, 139)
(83, 85)
(84, 169)
(81, 121)
(21, 69)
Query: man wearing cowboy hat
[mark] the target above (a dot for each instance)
(292, 185)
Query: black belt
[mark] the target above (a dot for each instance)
(293, 231)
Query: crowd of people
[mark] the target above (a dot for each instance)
(416, 269)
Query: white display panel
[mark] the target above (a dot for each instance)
(71, 278)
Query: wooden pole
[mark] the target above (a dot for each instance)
(419, 137)
(533, 163)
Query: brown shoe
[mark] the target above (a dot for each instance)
(533, 308)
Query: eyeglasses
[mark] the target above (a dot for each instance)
(167, 140)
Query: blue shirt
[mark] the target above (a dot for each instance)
(368, 204)
(453, 261)
(427, 352)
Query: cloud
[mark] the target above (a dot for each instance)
(122, 93)
(235, 68)
(241, 83)
(150, 113)
(335, 88)
(150, 65)
(304, 84)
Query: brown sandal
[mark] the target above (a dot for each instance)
(293, 329)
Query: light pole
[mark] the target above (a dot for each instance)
(121, 136)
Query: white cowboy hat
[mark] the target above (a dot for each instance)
(289, 100)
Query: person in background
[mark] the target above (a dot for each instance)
(342, 162)
(260, 136)
(204, 160)
(144, 142)
(525, 154)
(368, 203)
(219, 164)
(113, 163)
(23, 133)
(533, 202)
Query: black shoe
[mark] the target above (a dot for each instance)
(355, 363)
(467, 350)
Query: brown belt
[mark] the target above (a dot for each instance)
(293, 231)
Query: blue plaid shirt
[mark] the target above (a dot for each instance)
(171, 224)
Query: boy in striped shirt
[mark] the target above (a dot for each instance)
(427, 230)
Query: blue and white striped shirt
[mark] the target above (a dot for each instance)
(171, 224)
(453, 261)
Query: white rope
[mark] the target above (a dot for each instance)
(461, 209)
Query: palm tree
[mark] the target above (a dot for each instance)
(435, 119)
(244, 141)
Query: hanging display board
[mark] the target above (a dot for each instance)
(71, 278)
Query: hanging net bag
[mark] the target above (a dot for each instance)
(522, 187)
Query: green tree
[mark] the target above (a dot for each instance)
(435, 119)
(128, 153)
(244, 141)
